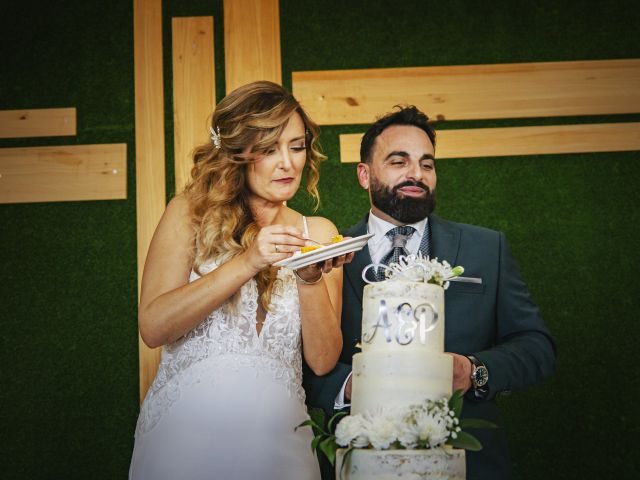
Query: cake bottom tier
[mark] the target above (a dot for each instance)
(385, 379)
(437, 463)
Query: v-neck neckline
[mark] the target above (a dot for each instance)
(280, 274)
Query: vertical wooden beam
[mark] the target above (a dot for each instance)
(150, 175)
(193, 89)
(251, 42)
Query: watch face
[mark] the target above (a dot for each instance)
(481, 376)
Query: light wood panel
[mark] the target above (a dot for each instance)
(193, 89)
(496, 142)
(251, 42)
(473, 92)
(42, 122)
(150, 152)
(60, 174)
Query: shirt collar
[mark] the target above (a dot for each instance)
(380, 227)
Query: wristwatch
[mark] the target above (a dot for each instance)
(479, 377)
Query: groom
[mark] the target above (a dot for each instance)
(493, 329)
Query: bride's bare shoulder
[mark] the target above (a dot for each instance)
(321, 228)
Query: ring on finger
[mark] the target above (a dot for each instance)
(276, 247)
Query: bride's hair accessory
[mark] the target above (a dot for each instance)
(215, 136)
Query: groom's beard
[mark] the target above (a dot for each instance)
(403, 208)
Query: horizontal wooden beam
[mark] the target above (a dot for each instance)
(193, 89)
(513, 141)
(251, 42)
(42, 122)
(473, 92)
(59, 174)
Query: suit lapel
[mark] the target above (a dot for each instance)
(361, 259)
(445, 240)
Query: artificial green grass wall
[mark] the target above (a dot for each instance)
(69, 358)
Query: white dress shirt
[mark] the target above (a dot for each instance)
(379, 245)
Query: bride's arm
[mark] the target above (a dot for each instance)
(170, 306)
(320, 309)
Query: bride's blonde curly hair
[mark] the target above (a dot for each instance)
(255, 116)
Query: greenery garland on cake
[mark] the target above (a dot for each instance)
(431, 424)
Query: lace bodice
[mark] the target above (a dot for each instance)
(230, 336)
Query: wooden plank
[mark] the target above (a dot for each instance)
(193, 89)
(150, 153)
(251, 42)
(43, 122)
(473, 92)
(62, 174)
(497, 142)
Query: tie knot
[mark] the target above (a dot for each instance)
(400, 235)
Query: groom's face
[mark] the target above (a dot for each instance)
(400, 175)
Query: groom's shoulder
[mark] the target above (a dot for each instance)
(475, 231)
(358, 229)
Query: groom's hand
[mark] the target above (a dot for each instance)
(461, 372)
(347, 390)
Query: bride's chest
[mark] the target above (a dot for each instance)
(235, 326)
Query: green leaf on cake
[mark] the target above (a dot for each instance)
(318, 416)
(455, 402)
(316, 440)
(328, 447)
(466, 441)
(307, 423)
(334, 418)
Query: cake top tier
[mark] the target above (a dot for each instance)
(400, 315)
(417, 268)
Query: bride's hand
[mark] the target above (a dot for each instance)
(274, 243)
(314, 271)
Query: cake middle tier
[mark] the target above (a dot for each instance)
(399, 379)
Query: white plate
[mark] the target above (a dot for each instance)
(324, 253)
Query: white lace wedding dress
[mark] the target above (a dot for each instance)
(225, 401)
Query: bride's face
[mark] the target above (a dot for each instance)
(275, 176)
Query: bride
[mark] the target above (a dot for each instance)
(228, 392)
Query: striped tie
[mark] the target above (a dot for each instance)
(399, 237)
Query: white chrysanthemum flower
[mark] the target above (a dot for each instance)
(431, 429)
(352, 429)
(408, 435)
(383, 427)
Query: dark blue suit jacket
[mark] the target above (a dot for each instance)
(496, 321)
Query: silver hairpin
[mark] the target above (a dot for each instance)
(215, 136)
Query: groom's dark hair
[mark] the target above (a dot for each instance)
(407, 115)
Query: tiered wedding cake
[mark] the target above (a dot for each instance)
(401, 381)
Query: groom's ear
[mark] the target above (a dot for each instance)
(363, 175)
